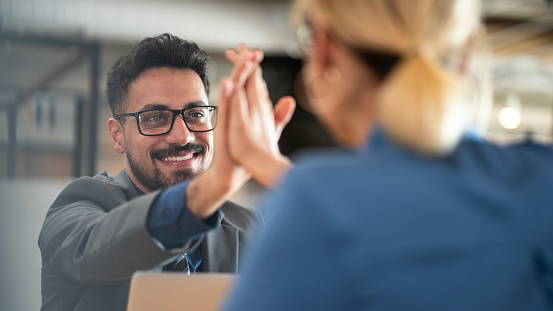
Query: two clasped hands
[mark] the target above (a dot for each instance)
(248, 126)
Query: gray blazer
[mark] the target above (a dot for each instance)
(94, 237)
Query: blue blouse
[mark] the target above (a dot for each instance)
(385, 229)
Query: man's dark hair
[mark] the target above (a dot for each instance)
(165, 50)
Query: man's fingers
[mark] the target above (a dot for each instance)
(227, 87)
(240, 65)
(238, 124)
(225, 94)
(284, 109)
(239, 59)
(240, 71)
(232, 56)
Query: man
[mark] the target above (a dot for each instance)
(167, 209)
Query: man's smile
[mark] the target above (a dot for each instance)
(178, 154)
(179, 158)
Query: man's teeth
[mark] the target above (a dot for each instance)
(178, 158)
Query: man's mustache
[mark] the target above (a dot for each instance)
(175, 150)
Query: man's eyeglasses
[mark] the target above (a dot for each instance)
(160, 121)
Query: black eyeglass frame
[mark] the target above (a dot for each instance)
(176, 112)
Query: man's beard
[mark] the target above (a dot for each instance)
(157, 179)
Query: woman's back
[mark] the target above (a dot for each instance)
(422, 220)
(390, 230)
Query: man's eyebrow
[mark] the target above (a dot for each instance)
(153, 106)
(197, 103)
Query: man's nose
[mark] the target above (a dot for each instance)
(179, 135)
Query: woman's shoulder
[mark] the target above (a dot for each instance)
(526, 154)
(322, 162)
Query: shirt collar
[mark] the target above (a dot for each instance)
(140, 192)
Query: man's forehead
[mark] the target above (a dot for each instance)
(166, 88)
(167, 75)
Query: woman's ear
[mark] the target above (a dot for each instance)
(321, 44)
(116, 133)
(470, 46)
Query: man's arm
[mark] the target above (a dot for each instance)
(170, 221)
(85, 238)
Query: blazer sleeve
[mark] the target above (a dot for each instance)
(93, 235)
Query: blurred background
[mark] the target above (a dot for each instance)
(55, 55)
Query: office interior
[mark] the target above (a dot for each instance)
(55, 55)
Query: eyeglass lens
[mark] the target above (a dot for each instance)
(157, 122)
(304, 37)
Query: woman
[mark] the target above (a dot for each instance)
(422, 216)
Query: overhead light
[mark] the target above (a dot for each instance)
(509, 116)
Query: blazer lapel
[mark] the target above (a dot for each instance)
(220, 248)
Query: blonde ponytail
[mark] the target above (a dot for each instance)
(420, 103)
(419, 106)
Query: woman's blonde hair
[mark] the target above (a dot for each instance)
(419, 106)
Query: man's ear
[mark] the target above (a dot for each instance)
(116, 132)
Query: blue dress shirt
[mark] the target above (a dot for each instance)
(172, 224)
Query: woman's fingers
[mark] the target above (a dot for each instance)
(283, 111)
(258, 56)
(259, 105)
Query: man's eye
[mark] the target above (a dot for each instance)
(196, 113)
(153, 117)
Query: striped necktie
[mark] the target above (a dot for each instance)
(181, 264)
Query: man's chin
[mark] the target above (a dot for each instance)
(182, 175)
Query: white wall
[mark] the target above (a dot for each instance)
(22, 210)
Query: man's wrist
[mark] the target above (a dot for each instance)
(171, 223)
(205, 194)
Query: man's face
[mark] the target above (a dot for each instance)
(153, 162)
